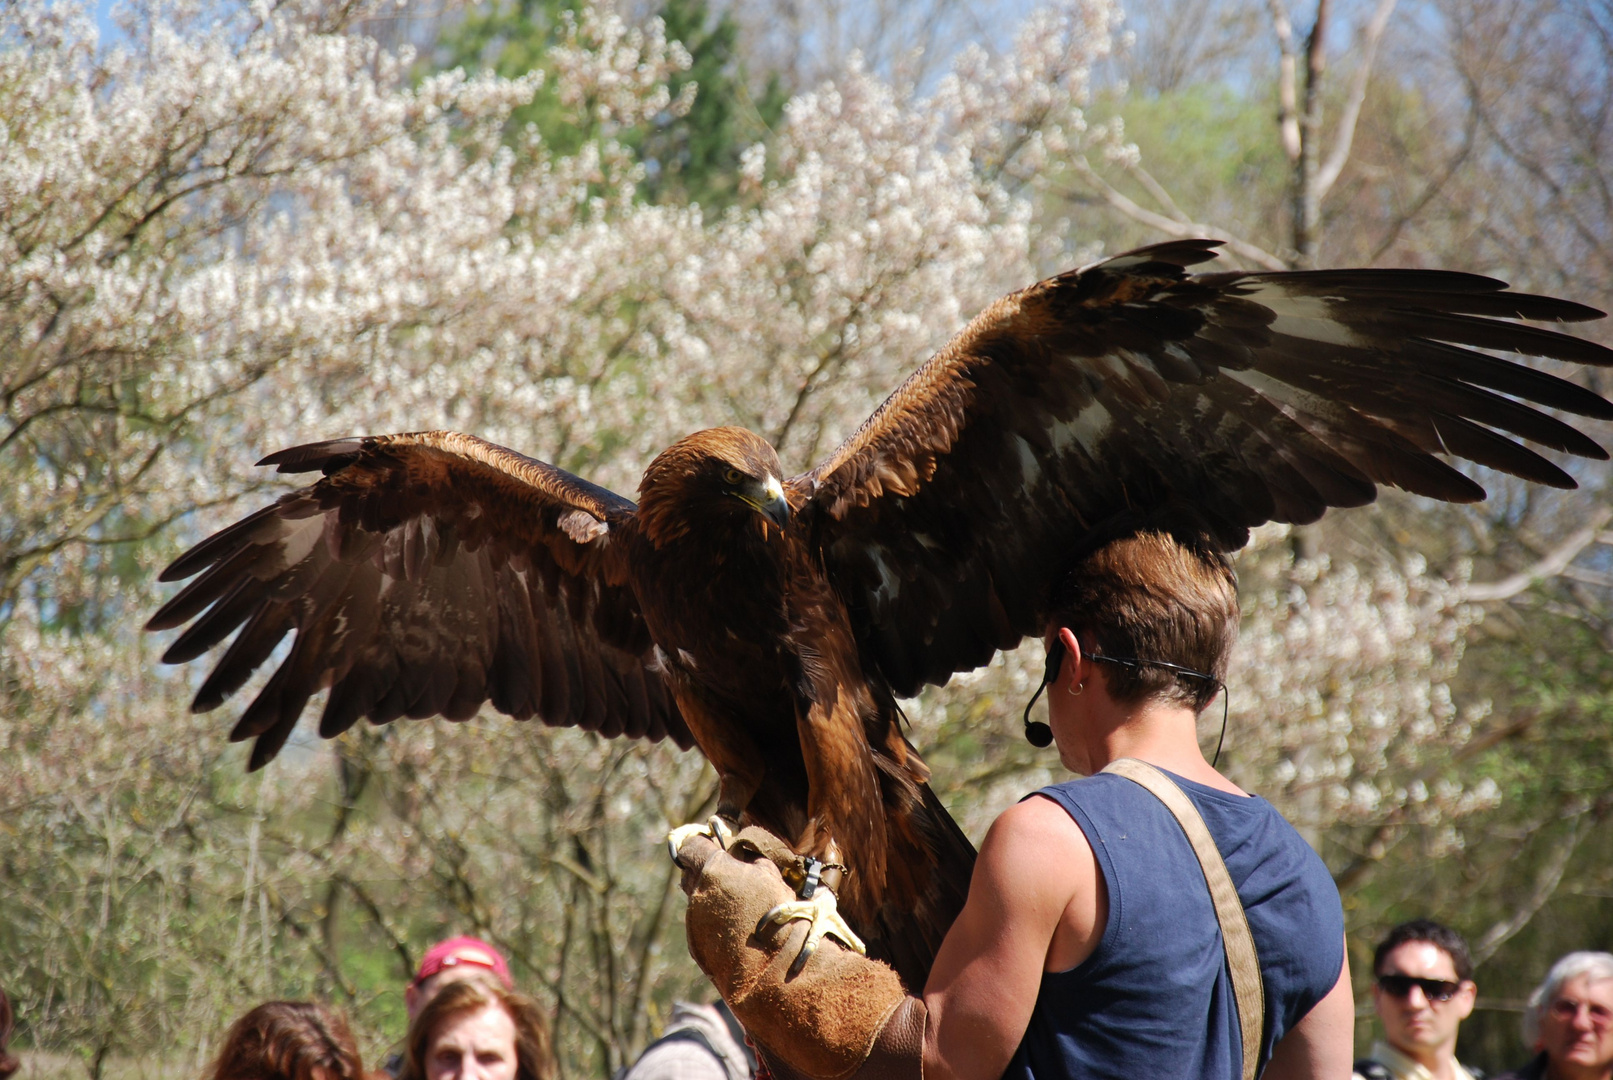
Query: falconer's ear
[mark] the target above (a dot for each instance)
(1069, 648)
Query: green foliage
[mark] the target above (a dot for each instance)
(692, 158)
(512, 38)
(1212, 146)
(695, 158)
(1211, 140)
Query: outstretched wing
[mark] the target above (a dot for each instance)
(424, 575)
(1253, 397)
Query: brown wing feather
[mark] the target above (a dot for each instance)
(1253, 397)
(424, 575)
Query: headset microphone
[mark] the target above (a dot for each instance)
(1037, 733)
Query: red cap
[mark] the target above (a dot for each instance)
(463, 952)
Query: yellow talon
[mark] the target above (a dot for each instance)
(824, 914)
(715, 827)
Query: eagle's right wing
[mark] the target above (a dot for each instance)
(947, 518)
(424, 574)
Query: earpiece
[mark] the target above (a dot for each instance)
(1037, 733)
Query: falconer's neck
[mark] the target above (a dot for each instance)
(1163, 734)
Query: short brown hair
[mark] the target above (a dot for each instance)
(289, 1040)
(1153, 587)
(534, 1060)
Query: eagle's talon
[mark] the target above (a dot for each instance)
(824, 914)
(720, 832)
(715, 828)
(801, 958)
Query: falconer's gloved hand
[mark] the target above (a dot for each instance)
(842, 1016)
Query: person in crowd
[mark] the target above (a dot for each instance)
(450, 961)
(1422, 988)
(289, 1040)
(8, 1061)
(1089, 945)
(701, 1042)
(454, 960)
(473, 1029)
(1569, 1021)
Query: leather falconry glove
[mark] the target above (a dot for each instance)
(840, 1017)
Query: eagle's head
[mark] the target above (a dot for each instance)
(720, 475)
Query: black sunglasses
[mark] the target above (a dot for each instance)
(1433, 989)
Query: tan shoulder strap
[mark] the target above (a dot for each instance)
(1242, 962)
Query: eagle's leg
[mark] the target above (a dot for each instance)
(715, 827)
(824, 914)
(740, 769)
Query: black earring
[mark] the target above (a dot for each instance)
(1037, 733)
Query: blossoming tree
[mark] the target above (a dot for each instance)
(227, 228)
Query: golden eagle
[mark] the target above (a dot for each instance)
(774, 621)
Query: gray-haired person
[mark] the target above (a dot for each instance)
(1569, 1021)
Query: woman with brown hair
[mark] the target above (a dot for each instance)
(289, 1040)
(477, 1030)
(8, 1061)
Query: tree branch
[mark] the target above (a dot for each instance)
(1546, 882)
(1378, 845)
(1552, 564)
(1432, 189)
(1171, 227)
(1287, 87)
(1306, 198)
(1344, 137)
(1157, 190)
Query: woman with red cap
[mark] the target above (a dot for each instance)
(451, 961)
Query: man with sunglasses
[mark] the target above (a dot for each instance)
(1423, 989)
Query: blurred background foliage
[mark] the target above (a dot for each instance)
(1426, 690)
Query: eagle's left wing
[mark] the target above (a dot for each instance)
(1253, 397)
(423, 575)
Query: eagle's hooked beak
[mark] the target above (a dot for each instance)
(768, 500)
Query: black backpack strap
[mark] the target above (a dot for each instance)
(1368, 1069)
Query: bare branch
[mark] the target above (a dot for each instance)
(1157, 190)
(1305, 197)
(1383, 836)
(1545, 885)
(1588, 577)
(1287, 87)
(1549, 566)
(1344, 137)
(1430, 191)
(1171, 227)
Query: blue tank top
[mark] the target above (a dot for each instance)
(1155, 997)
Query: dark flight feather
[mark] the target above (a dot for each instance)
(1256, 396)
(398, 574)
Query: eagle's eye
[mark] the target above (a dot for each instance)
(733, 476)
